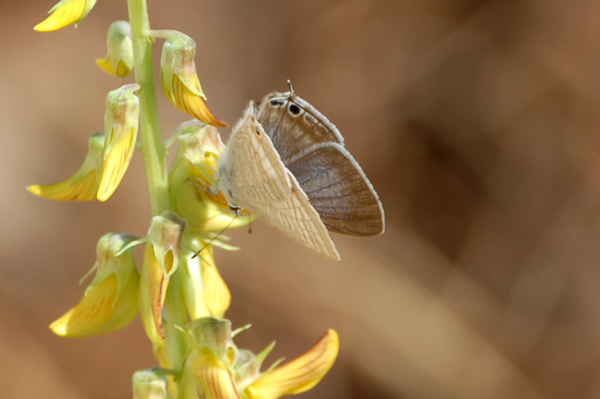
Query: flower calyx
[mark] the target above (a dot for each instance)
(150, 384)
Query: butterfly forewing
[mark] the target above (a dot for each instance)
(312, 148)
(293, 124)
(252, 175)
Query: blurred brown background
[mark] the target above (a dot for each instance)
(476, 121)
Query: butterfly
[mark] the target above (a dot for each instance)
(286, 163)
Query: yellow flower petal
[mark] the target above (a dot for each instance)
(115, 166)
(122, 69)
(83, 189)
(214, 379)
(153, 290)
(216, 293)
(299, 375)
(82, 186)
(98, 313)
(106, 65)
(63, 15)
(192, 104)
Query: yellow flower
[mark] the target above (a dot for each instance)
(192, 181)
(161, 260)
(111, 300)
(299, 375)
(65, 13)
(216, 368)
(179, 78)
(83, 185)
(121, 126)
(108, 155)
(207, 371)
(119, 57)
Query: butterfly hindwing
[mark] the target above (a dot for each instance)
(312, 148)
(338, 189)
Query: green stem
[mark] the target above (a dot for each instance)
(153, 152)
(153, 149)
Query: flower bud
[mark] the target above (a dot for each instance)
(119, 55)
(111, 300)
(161, 260)
(149, 384)
(64, 13)
(192, 181)
(83, 185)
(121, 126)
(180, 80)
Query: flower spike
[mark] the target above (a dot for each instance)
(119, 57)
(179, 78)
(111, 300)
(121, 126)
(65, 13)
(83, 185)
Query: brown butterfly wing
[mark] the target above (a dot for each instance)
(341, 194)
(312, 149)
(294, 124)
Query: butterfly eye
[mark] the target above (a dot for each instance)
(277, 103)
(294, 109)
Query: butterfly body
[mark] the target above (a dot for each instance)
(286, 163)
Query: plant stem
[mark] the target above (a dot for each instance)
(153, 152)
(152, 147)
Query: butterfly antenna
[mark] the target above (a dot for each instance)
(217, 236)
(289, 82)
